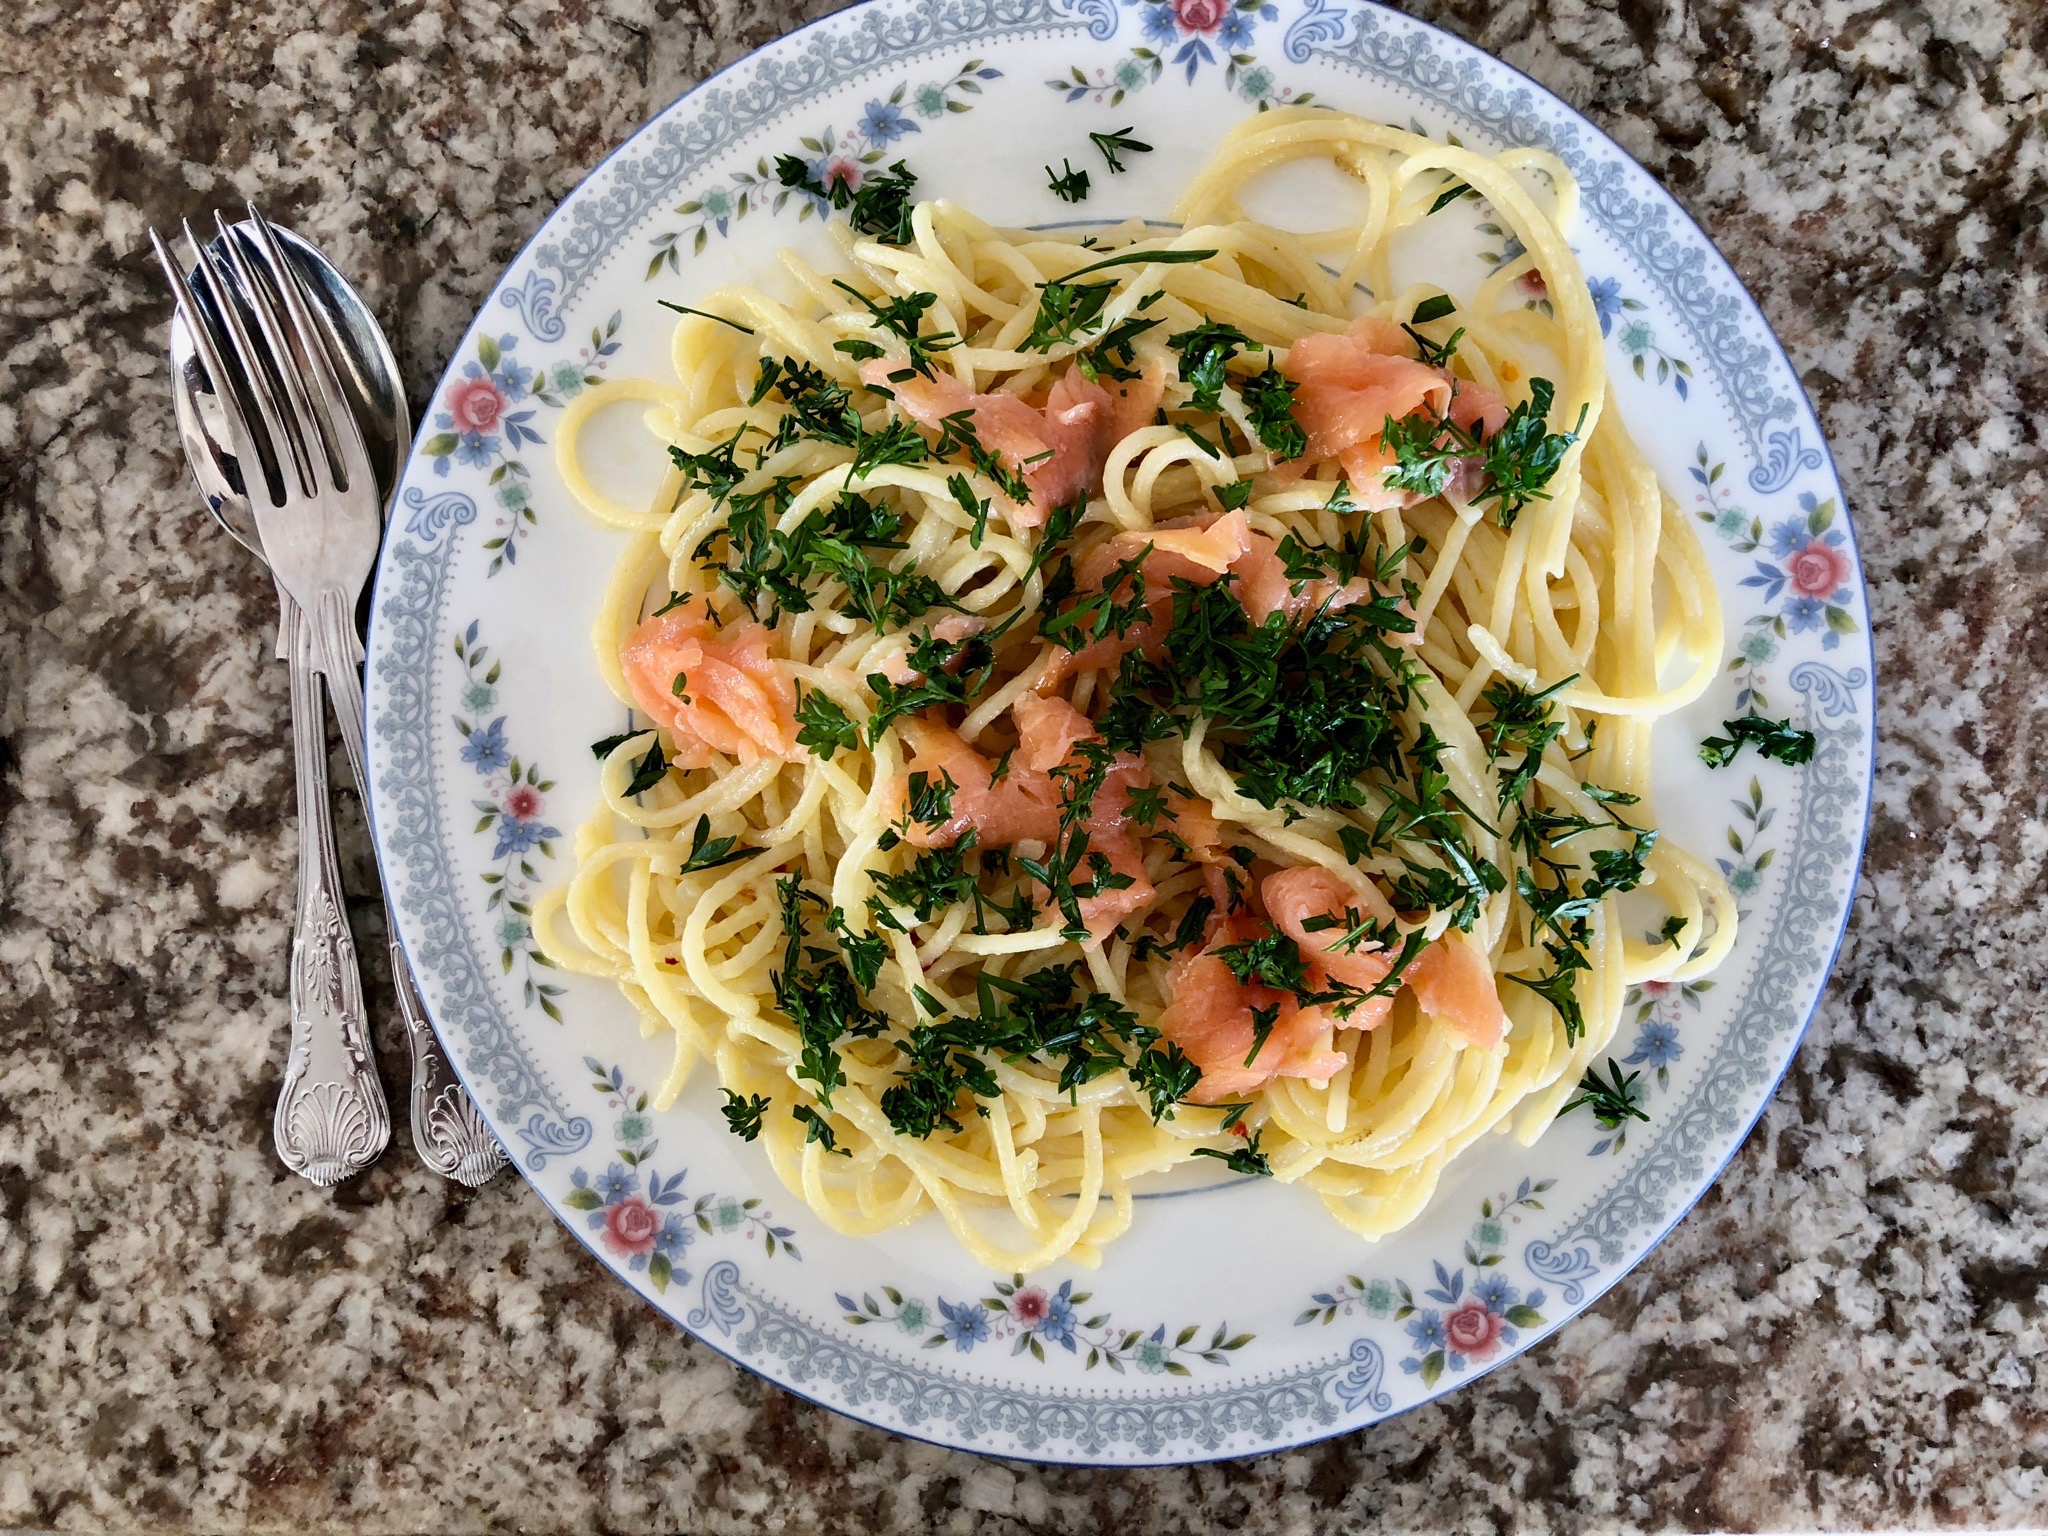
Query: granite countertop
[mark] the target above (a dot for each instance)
(1848, 1332)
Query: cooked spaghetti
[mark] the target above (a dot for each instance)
(1178, 693)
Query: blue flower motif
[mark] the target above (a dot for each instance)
(475, 449)
(673, 1238)
(885, 122)
(512, 379)
(1494, 1293)
(1059, 1318)
(1237, 30)
(1426, 1328)
(518, 834)
(614, 1184)
(966, 1324)
(1788, 537)
(1805, 613)
(1606, 292)
(486, 747)
(1159, 24)
(1656, 1046)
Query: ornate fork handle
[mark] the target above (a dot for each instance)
(331, 1120)
(447, 1128)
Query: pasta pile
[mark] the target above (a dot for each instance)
(890, 627)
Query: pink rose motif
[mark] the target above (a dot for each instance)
(630, 1227)
(1659, 990)
(1200, 15)
(1818, 570)
(476, 405)
(844, 171)
(524, 802)
(1473, 1331)
(1532, 283)
(1029, 1306)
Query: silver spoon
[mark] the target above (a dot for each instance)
(448, 1132)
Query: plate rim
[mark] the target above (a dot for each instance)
(1470, 56)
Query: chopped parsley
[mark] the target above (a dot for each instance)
(648, 771)
(1518, 462)
(937, 879)
(708, 852)
(1269, 402)
(816, 990)
(1777, 740)
(1066, 308)
(1039, 1017)
(1205, 354)
(1522, 722)
(976, 508)
(705, 314)
(953, 672)
(1072, 187)
(1450, 195)
(904, 318)
(1247, 1159)
(1613, 1102)
(820, 1129)
(881, 207)
(744, 1114)
(823, 726)
(1118, 141)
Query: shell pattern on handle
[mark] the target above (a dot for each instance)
(332, 1120)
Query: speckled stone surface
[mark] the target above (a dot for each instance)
(1848, 1333)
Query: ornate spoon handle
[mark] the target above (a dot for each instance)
(332, 1120)
(448, 1130)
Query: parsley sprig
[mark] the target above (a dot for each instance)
(1612, 1102)
(1070, 187)
(1778, 740)
(1247, 1159)
(1518, 462)
(881, 207)
(1118, 141)
(1066, 308)
(1044, 1016)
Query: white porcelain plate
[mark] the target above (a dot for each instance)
(1232, 1319)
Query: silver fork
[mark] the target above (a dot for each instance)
(332, 1120)
(321, 533)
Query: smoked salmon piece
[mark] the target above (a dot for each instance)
(1264, 587)
(1078, 425)
(1453, 982)
(735, 698)
(1197, 553)
(1296, 896)
(1209, 1015)
(1346, 386)
(1024, 805)
(1209, 1012)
